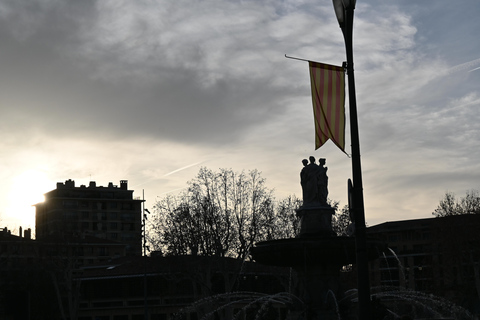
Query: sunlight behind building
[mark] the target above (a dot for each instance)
(26, 190)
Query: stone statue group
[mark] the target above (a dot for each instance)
(314, 181)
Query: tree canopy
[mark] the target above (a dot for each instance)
(450, 205)
(223, 214)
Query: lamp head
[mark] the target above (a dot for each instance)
(340, 6)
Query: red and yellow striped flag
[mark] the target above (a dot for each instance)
(328, 97)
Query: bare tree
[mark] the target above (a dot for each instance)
(220, 214)
(178, 225)
(450, 205)
(286, 222)
(341, 221)
(470, 204)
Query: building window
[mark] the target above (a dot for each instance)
(393, 238)
(127, 206)
(102, 251)
(418, 248)
(107, 195)
(128, 217)
(70, 215)
(70, 204)
(128, 237)
(128, 227)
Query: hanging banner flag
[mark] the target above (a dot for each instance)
(328, 97)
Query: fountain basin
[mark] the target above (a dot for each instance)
(297, 252)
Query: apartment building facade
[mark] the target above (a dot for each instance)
(110, 213)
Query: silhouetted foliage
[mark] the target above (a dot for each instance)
(341, 221)
(221, 214)
(450, 205)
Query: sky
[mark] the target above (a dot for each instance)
(150, 91)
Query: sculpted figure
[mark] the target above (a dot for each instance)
(303, 180)
(314, 181)
(308, 180)
(322, 181)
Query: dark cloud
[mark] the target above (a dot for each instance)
(51, 77)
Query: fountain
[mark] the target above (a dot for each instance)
(317, 254)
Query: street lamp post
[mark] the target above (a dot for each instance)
(344, 12)
(144, 229)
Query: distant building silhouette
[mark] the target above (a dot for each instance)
(440, 256)
(110, 213)
(115, 290)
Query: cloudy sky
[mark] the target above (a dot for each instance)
(150, 91)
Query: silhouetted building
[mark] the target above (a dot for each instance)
(15, 248)
(117, 291)
(37, 276)
(81, 251)
(436, 255)
(109, 213)
(18, 256)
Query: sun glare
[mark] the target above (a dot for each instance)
(26, 190)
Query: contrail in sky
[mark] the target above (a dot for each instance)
(466, 65)
(170, 173)
(183, 168)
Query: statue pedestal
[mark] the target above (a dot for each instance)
(320, 289)
(315, 221)
(319, 279)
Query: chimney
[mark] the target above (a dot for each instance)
(70, 183)
(123, 184)
(92, 184)
(28, 234)
(21, 233)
